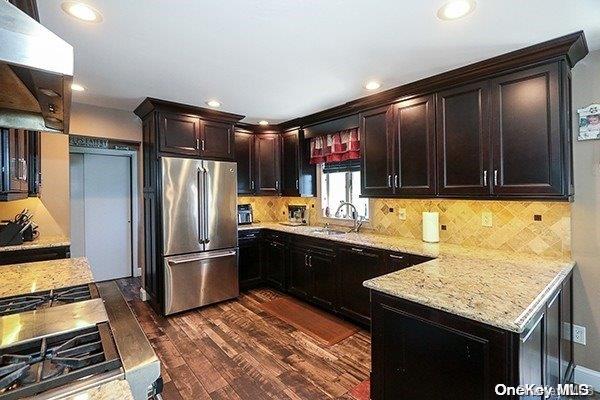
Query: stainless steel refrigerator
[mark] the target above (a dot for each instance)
(199, 224)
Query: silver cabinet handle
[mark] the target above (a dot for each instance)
(277, 185)
(252, 185)
(310, 261)
(485, 177)
(396, 180)
(306, 261)
(202, 144)
(389, 181)
(495, 177)
(396, 257)
(197, 144)
(357, 250)
(297, 184)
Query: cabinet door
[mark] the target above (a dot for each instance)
(299, 279)
(553, 334)
(249, 263)
(244, 156)
(217, 140)
(403, 346)
(415, 146)
(267, 159)
(356, 266)
(34, 161)
(290, 164)
(376, 143)
(566, 347)
(179, 134)
(274, 267)
(526, 132)
(463, 140)
(324, 279)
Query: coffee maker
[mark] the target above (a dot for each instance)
(297, 215)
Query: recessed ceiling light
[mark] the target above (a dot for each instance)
(81, 11)
(263, 123)
(372, 85)
(213, 103)
(77, 87)
(456, 9)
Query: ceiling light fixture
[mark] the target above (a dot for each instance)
(77, 87)
(372, 85)
(455, 9)
(213, 103)
(263, 123)
(81, 11)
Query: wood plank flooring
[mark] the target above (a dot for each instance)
(236, 351)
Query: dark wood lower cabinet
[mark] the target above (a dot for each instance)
(249, 265)
(424, 353)
(274, 256)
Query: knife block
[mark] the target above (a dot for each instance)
(10, 234)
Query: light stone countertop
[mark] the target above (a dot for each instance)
(117, 389)
(42, 242)
(497, 288)
(16, 279)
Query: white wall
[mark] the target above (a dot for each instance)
(585, 218)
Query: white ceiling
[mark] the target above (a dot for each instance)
(280, 59)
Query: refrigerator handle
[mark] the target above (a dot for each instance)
(201, 205)
(205, 189)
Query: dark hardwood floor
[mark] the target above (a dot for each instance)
(235, 350)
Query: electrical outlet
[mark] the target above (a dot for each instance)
(402, 214)
(486, 219)
(579, 334)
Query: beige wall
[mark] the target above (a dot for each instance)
(585, 216)
(104, 122)
(54, 191)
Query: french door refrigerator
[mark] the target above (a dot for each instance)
(199, 226)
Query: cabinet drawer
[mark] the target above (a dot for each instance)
(248, 234)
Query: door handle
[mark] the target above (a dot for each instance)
(495, 177)
(205, 257)
(396, 181)
(277, 185)
(201, 205)
(202, 144)
(389, 181)
(206, 229)
(297, 184)
(485, 177)
(197, 144)
(252, 185)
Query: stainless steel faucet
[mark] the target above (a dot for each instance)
(358, 219)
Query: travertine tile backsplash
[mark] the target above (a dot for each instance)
(514, 227)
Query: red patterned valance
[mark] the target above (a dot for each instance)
(336, 147)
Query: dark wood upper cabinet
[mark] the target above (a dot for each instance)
(298, 177)
(267, 149)
(526, 133)
(217, 140)
(376, 143)
(463, 140)
(179, 134)
(414, 146)
(244, 156)
(14, 163)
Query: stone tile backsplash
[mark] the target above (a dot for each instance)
(515, 227)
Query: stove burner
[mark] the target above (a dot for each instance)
(30, 368)
(29, 302)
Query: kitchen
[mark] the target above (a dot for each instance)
(423, 228)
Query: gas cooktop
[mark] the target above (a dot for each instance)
(46, 299)
(37, 366)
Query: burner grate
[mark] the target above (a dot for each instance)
(31, 368)
(49, 298)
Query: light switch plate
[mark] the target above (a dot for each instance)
(402, 214)
(486, 219)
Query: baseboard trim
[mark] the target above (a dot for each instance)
(587, 376)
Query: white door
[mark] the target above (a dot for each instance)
(101, 218)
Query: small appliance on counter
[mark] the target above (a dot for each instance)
(22, 228)
(297, 215)
(245, 216)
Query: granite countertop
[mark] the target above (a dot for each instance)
(497, 288)
(117, 389)
(32, 277)
(42, 242)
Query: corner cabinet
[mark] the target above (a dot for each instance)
(298, 177)
(377, 158)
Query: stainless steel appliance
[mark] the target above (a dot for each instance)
(62, 342)
(36, 72)
(245, 216)
(199, 228)
(297, 215)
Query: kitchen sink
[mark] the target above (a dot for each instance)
(327, 231)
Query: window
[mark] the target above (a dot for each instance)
(342, 184)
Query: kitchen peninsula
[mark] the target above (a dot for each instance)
(501, 311)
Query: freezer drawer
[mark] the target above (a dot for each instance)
(199, 279)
